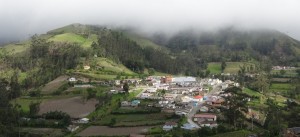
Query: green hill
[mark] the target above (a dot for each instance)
(187, 52)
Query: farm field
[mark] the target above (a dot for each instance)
(74, 106)
(135, 119)
(234, 67)
(107, 131)
(54, 85)
(241, 133)
(281, 87)
(51, 132)
(287, 73)
(231, 67)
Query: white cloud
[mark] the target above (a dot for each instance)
(22, 17)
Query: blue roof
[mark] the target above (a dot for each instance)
(136, 101)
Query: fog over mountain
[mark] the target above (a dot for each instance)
(20, 19)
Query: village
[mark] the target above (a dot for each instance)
(150, 105)
(198, 100)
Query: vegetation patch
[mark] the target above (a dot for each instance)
(240, 133)
(68, 37)
(234, 67)
(281, 87)
(214, 67)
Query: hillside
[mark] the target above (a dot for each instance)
(188, 52)
(232, 44)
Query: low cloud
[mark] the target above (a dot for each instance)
(20, 19)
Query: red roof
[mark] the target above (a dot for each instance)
(205, 115)
(198, 97)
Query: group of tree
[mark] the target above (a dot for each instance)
(118, 47)
(234, 45)
(45, 60)
(9, 113)
(236, 107)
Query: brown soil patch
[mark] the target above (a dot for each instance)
(74, 106)
(54, 85)
(107, 131)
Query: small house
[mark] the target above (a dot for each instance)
(204, 109)
(117, 82)
(188, 126)
(185, 99)
(169, 126)
(72, 128)
(151, 90)
(198, 98)
(135, 103)
(72, 79)
(292, 132)
(86, 67)
(145, 95)
(125, 104)
(210, 124)
(83, 121)
(205, 117)
(216, 102)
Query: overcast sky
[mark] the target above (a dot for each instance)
(21, 18)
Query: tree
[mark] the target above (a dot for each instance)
(282, 72)
(236, 105)
(8, 118)
(126, 87)
(34, 108)
(151, 71)
(15, 90)
(223, 66)
(274, 117)
(261, 83)
(298, 72)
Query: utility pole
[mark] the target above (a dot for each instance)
(252, 120)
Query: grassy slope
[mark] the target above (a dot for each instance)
(74, 38)
(109, 69)
(214, 67)
(234, 67)
(68, 37)
(231, 67)
(142, 41)
(109, 65)
(17, 48)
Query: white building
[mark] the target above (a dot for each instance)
(186, 99)
(83, 121)
(72, 79)
(152, 90)
(183, 79)
(72, 128)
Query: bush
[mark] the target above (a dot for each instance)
(35, 93)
